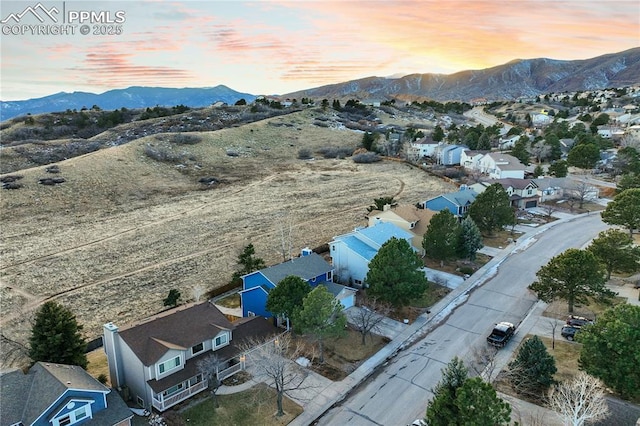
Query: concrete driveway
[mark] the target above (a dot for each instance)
(387, 327)
(444, 278)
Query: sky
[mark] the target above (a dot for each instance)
(281, 46)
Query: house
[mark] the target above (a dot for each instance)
(343, 294)
(523, 193)
(550, 188)
(52, 394)
(539, 120)
(424, 147)
(310, 266)
(457, 202)
(352, 252)
(155, 362)
(501, 166)
(506, 143)
(470, 160)
(406, 216)
(449, 155)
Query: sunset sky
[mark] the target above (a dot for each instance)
(276, 47)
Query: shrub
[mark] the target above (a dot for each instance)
(162, 154)
(52, 169)
(467, 270)
(336, 152)
(184, 139)
(102, 378)
(304, 154)
(366, 157)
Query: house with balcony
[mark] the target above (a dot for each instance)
(51, 394)
(352, 252)
(155, 362)
(310, 266)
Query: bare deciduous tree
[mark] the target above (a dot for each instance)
(284, 229)
(579, 191)
(369, 317)
(579, 400)
(549, 209)
(484, 362)
(197, 292)
(273, 359)
(209, 368)
(554, 325)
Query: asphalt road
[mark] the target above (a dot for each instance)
(399, 393)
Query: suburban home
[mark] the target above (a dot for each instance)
(470, 160)
(501, 166)
(506, 143)
(406, 216)
(449, 155)
(155, 362)
(457, 202)
(352, 252)
(523, 193)
(550, 188)
(424, 147)
(542, 119)
(59, 395)
(310, 266)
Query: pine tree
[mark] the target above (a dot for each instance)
(491, 209)
(56, 336)
(442, 409)
(470, 239)
(441, 240)
(394, 273)
(531, 372)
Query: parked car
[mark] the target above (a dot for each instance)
(576, 321)
(569, 332)
(501, 334)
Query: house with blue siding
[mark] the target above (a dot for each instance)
(457, 202)
(59, 395)
(310, 266)
(352, 252)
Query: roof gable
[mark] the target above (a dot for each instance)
(181, 327)
(383, 232)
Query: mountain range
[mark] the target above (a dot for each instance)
(515, 79)
(131, 97)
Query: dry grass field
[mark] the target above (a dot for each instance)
(124, 229)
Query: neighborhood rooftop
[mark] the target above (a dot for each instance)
(306, 267)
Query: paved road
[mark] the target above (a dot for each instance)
(399, 393)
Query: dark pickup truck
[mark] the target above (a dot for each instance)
(501, 334)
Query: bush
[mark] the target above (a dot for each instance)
(467, 270)
(102, 378)
(162, 154)
(304, 154)
(184, 139)
(336, 152)
(366, 157)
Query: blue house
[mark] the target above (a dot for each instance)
(456, 202)
(311, 267)
(59, 395)
(352, 252)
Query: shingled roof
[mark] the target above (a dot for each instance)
(306, 267)
(179, 328)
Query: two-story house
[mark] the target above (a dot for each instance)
(523, 193)
(406, 216)
(58, 395)
(500, 166)
(470, 159)
(310, 266)
(155, 362)
(352, 252)
(457, 202)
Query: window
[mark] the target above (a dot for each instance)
(80, 413)
(173, 389)
(330, 276)
(197, 348)
(64, 421)
(251, 314)
(221, 340)
(140, 401)
(313, 280)
(74, 416)
(169, 365)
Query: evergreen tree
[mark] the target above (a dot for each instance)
(624, 210)
(56, 336)
(519, 150)
(484, 142)
(479, 405)
(442, 409)
(538, 171)
(369, 140)
(470, 239)
(491, 209)
(438, 134)
(574, 276)
(616, 251)
(394, 273)
(287, 298)
(628, 181)
(584, 155)
(559, 169)
(440, 241)
(172, 298)
(321, 316)
(531, 372)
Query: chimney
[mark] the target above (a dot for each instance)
(305, 252)
(111, 344)
(386, 207)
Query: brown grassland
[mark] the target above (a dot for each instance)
(124, 229)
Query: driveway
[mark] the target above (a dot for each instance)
(386, 327)
(444, 278)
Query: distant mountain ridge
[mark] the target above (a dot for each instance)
(515, 79)
(131, 97)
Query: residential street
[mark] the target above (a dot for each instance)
(398, 394)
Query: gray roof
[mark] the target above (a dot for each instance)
(335, 288)
(305, 267)
(184, 326)
(25, 397)
(461, 197)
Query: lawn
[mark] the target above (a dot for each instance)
(256, 406)
(98, 364)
